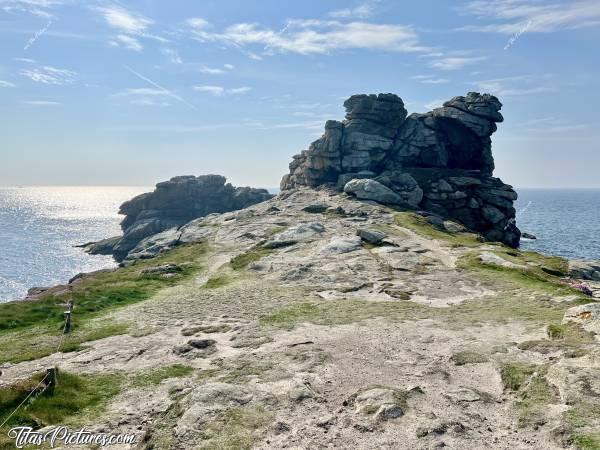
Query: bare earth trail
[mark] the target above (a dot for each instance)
(318, 339)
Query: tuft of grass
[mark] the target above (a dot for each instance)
(419, 225)
(243, 260)
(274, 230)
(217, 282)
(583, 414)
(534, 400)
(468, 357)
(569, 336)
(235, 428)
(514, 375)
(73, 396)
(156, 376)
(586, 441)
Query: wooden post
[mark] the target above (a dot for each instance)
(67, 322)
(51, 379)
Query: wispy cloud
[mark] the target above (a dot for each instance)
(218, 91)
(131, 26)
(552, 125)
(159, 87)
(49, 75)
(172, 55)
(434, 104)
(510, 16)
(361, 11)
(217, 70)
(455, 62)
(6, 84)
(125, 21)
(430, 79)
(40, 8)
(40, 102)
(123, 40)
(313, 36)
(37, 35)
(145, 96)
(516, 85)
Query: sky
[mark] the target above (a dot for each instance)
(131, 93)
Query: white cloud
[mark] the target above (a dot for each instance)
(552, 125)
(513, 16)
(437, 103)
(217, 91)
(455, 62)
(211, 70)
(216, 70)
(40, 8)
(26, 60)
(198, 23)
(145, 96)
(6, 84)
(123, 40)
(172, 55)
(430, 79)
(516, 85)
(315, 37)
(40, 102)
(49, 75)
(124, 21)
(361, 11)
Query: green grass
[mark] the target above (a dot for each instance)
(217, 282)
(245, 259)
(533, 401)
(569, 336)
(274, 230)
(419, 225)
(235, 428)
(583, 414)
(156, 376)
(586, 441)
(73, 397)
(32, 329)
(514, 375)
(468, 357)
(103, 291)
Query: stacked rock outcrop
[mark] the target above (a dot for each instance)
(440, 161)
(174, 203)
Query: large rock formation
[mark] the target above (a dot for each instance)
(440, 161)
(174, 203)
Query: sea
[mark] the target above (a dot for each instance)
(40, 227)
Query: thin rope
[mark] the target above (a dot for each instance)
(23, 402)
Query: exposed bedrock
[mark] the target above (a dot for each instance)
(174, 203)
(440, 161)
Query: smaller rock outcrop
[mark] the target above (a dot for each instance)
(174, 203)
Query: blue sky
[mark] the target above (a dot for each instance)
(115, 92)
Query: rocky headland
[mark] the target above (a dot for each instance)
(174, 203)
(370, 305)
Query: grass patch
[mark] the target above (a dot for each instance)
(569, 336)
(217, 282)
(586, 441)
(156, 376)
(243, 260)
(514, 375)
(533, 401)
(73, 396)
(103, 291)
(420, 225)
(235, 428)
(583, 414)
(274, 230)
(467, 357)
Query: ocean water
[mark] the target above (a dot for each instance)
(566, 222)
(40, 225)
